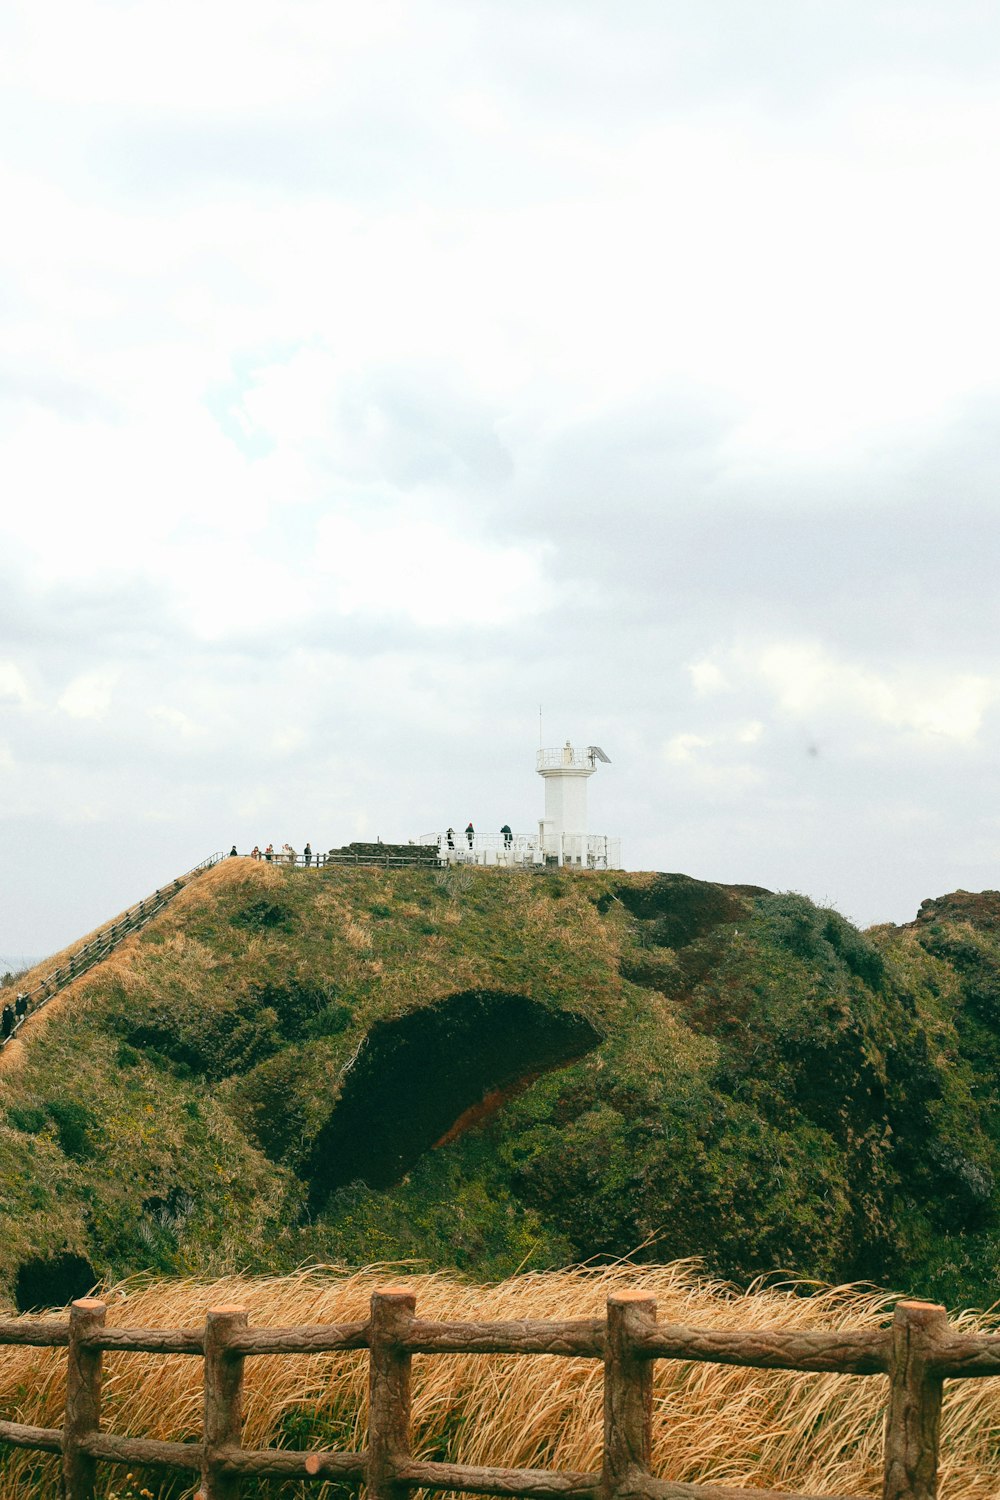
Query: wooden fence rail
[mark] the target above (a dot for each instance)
(917, 1354)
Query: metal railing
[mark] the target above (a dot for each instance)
(16, 1006)
(521, 844)
(566, 757)
(29, 1002)
(917, 1353)
(323, 861)
(592, 851)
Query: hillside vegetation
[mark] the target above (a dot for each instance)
(488, 1070)
(714, 1424)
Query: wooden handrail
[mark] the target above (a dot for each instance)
(101, 945)
(917, 1353)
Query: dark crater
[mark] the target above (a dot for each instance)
(675, 910)
(52, 1281)
(416, 1077)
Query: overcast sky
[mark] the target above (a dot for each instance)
(374, 373)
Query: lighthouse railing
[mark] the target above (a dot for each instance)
(521, 845)
(593, 851)
(564, 758)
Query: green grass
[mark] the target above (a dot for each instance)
(774, 1089)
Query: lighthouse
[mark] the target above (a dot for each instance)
(562, 833)
(562, 837)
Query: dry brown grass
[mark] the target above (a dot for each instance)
(119, 966)
(255, 874)
(809, 1433)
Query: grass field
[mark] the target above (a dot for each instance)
(813, 1434)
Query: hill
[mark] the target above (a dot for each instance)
(488, 1070)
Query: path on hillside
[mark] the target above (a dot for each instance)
(27, 1003)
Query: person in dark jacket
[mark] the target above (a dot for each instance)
(470, 834)
(508, 837)
(307, 851)
(232, 853)
(6, 1022)
(21, 1005)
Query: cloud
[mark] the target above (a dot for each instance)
(375, 374)
(809, 681)
(13, 688)
(707, 678)
(89, 696)
(174, 719)
(422, 570)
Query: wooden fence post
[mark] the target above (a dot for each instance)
(628, 1393)
(83, 1398)
(223, 1402)
(388, 1394)
(913, 1417)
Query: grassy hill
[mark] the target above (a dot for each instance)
(489, 1070)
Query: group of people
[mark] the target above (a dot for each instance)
(470, 834)
(11, 1015)
(286, 855)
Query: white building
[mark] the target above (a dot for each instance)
(563, 837)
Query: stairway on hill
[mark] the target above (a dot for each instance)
(18, 1004)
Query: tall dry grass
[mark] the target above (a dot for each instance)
(809, 1433)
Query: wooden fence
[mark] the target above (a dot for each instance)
(917, 1353)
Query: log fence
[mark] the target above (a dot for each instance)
(917, 1354)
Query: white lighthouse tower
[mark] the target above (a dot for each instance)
(562, 837)
(562, 833)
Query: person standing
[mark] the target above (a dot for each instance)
(233, 853)
(307, 851)
(450, 836)
(470, 834)
(508, 837)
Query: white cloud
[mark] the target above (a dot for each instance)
(704, 763)
(182, 725)
(374, 372)
(188, 57)
(809, 682)
(750, 733)
(425, 571)
(682, 747)
(707, 678)
(89, 695)
(13, 688)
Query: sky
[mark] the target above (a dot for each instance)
(373, 375)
